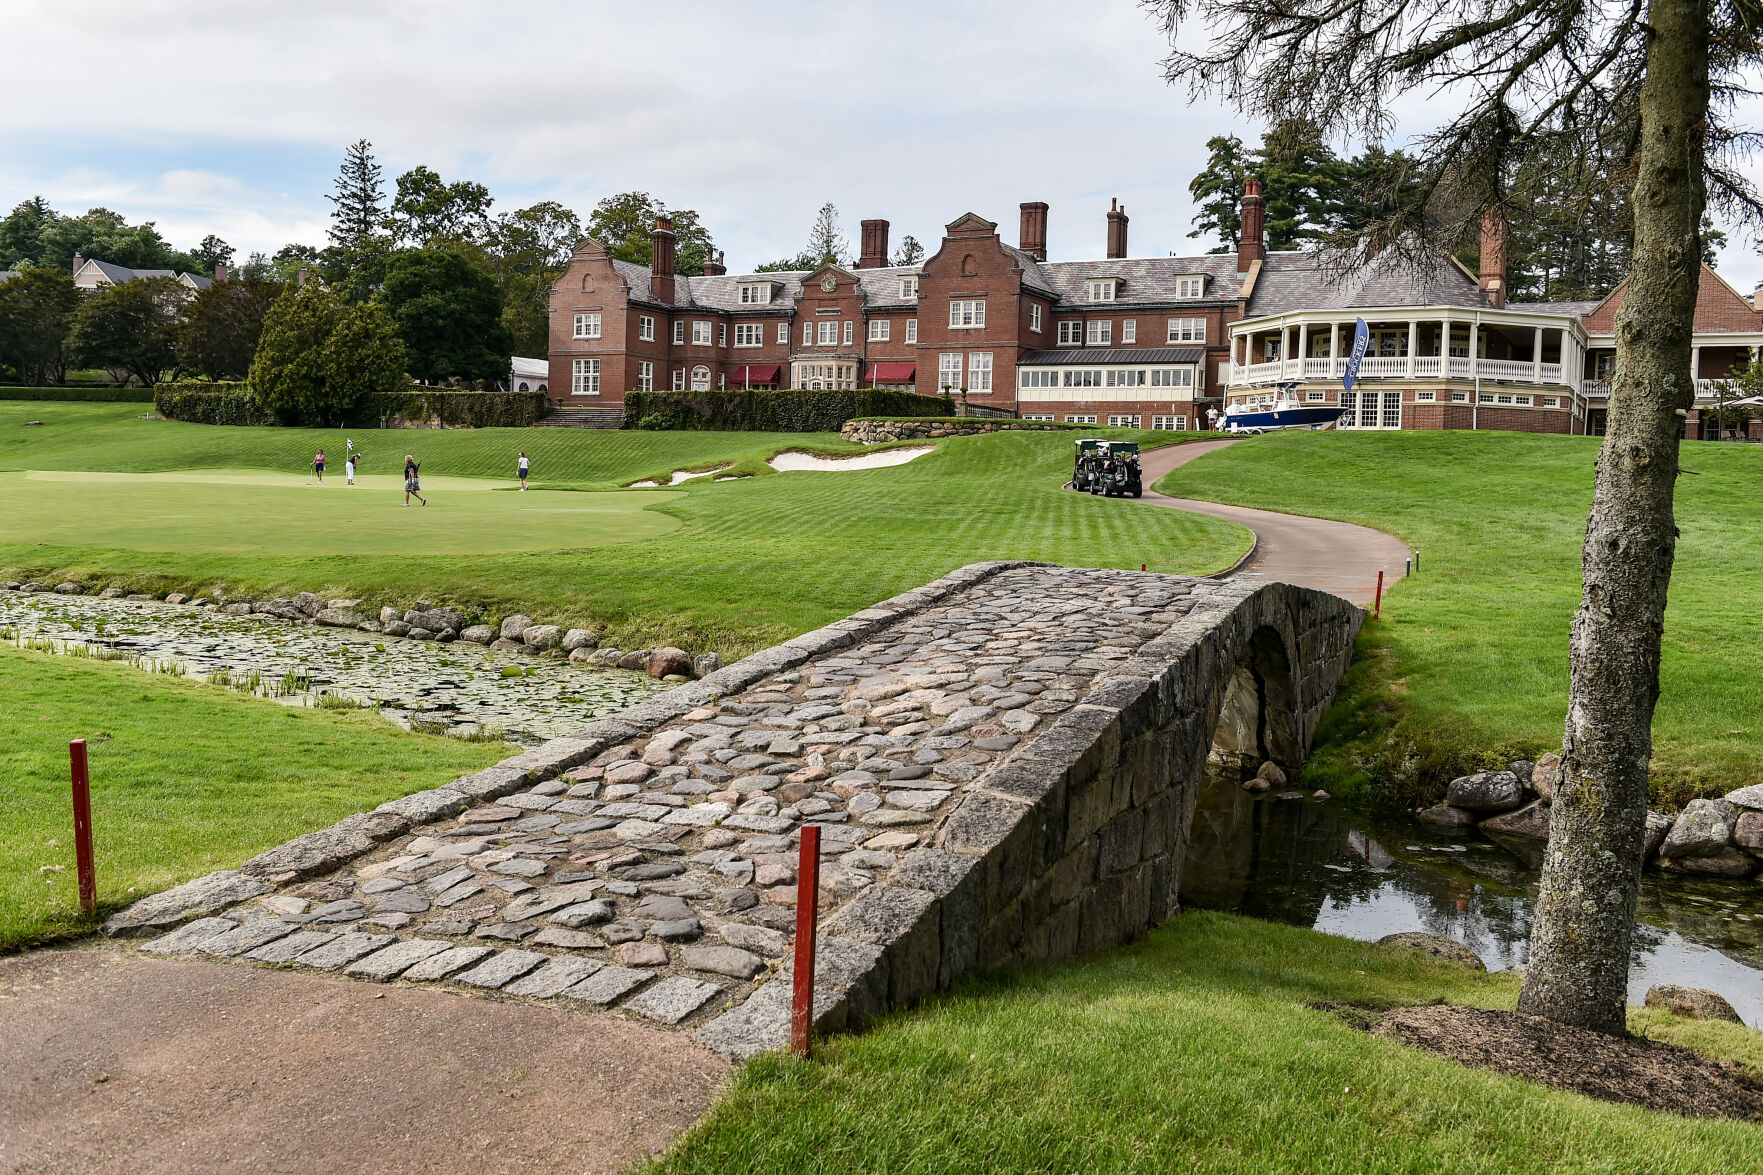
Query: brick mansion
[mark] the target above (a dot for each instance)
(1136, 342)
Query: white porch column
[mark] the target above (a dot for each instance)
(1695, 364)
(1536, 357)
(1334, 348)
(1474, 349)
(1303, 345)
(1413, 343)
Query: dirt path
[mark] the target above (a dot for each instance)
(112, 1063)
(1332, 556)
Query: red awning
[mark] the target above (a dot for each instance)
(892, 373)
(753, 373)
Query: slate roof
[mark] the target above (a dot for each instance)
(1293, 281)
(119, 274)
(1144, 280)
(1565, 309)
(1085, 356)
(881, 288)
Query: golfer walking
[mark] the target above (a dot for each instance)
(318, 465)
(412, 480)
(523, 467)
(349, 466)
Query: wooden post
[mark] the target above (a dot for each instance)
(82, 826)
(1377, 607)
(807, 919)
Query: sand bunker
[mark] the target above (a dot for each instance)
(678, 476)
(792, 461)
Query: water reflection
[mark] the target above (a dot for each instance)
(1364, 876)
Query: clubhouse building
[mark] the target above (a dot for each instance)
(1146, 342)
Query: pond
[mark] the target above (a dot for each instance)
(1362, 875)
(459, 689)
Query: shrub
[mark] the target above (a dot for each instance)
(323, 361)
(785, 411)
(234, 403)
(95, 394)
(209, 403)
(453, 408)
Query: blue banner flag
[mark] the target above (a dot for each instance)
(1361, 337)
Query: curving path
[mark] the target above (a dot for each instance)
(1336, 557)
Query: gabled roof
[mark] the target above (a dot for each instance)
(1720, 309)
(1145, 280)
(1298, 280)
(722, 292)
(117, 274)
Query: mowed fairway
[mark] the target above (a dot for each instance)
(731, 566)
(1471, 655)
(287, 515)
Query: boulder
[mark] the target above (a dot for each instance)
(390, 616)
(1724, 861)
(1657, 827)
(352, 605)
(668, 662)
(1522, 768)
(1702, 827)
(582, 656)
(447, 635)
(1531, 821)
(607, 656)
(541, 636)
(704, 664)
(177, 598)
(241, 608)
(1436, 945)
(70, 588)
(309, 603)
(370, 626)
(514, 625)
(635, 659)
(1445, 816)
(1545, 775)
(421, 634)
(339, 617)
(434, 619)
(1747, 797)
(578, 638)
(477, 634)
(1747, 831)
(1272, 773)
(395, 628)
(1486, 791)
(30, 589)
(1692, 1003)
(503, 645)
(112, 593)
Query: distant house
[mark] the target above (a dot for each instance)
(95, 275)
(529, 375)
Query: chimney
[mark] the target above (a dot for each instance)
(1493, 257)
(300, 280)
(1116, 229)
(220, 271)
(1757, 298)
(875, 245)
(715, 266)
(1033, 237)
(1249, 235)
(661, 264)
(77, 262)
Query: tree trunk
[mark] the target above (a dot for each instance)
(1578, 971)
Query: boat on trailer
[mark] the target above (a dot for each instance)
(1286, 411)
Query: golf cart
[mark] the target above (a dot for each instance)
(1088, 465)
(1118, 470)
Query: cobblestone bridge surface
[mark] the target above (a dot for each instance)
(647, 864)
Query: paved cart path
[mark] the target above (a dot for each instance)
(1320, 553)
(116, 1063)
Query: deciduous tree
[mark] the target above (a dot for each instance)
(127, 328)
(623, 223)
(428, 211)
(36, 313)
(447, 310)
(526, 251)
(218, 332)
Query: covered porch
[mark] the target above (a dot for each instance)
(1422, 346)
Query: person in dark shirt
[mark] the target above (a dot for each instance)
(412, 480)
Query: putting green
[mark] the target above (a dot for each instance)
(263, 513)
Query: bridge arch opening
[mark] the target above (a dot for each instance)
(1258, 715)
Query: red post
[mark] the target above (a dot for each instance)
(1377, 608)
(1141, 567)
(807, 923)
(82, 826)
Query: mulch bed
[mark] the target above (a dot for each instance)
(1615, 1069)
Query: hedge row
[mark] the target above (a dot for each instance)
(98, 393)
(786, 411)
(234, 403)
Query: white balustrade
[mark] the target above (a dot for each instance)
(1427, 365)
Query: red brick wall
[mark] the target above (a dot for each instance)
(972, 263)
(1718, 308)
(591, 284)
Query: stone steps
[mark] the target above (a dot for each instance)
(583, 418)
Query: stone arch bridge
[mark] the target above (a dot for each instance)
(1004, 763)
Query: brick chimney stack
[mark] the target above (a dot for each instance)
(1116, 229)
(1250, 246)
(717, 265)
(1493, 257)
(1033, 237)
(77, 262)
(874, 254)
(300, 278)
(662, 243)
(220, 271)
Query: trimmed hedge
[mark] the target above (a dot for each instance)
(785, 411)
(102, 394)
(234, 403)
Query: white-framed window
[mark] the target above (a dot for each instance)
(1036, 378)
(679, 379)
(1071, 333)
(1034, 316)
(645, 376)
(646, 327)
(679, 334)
(700, 334)
(1102, 291)
(909, 286)
(783, 334)
(878, 330)
(749, 334)
(1271, 347)
(807, 334)
(586, 378)
(1085, 377)
(700, 378)
(949, 370)
(1424, 397)
(1392, 410)
(979, 372)
(967, 314)
(1123, 422)
(722, 334)
(1551, 401)
(912, 330)
(1522, 400)
(1038, 416)
(1187, 330)
(755, 293)
(1126, 377)
(1315, 397)
(1172, 377)
(1169, 424)
(587, 326)
(848, 327)
(1089, 419)
(829, 334)
(1129, 330)
(1099, 334)
(1459, 397)
(1190, 287)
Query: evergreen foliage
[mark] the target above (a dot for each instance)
(793, 410)
(910, 251)
(321, 360)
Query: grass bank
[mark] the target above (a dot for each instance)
(731, 566)
(1469, 663)
(1196, 1050)
(186, 778)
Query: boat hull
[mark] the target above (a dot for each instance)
(1278, 418)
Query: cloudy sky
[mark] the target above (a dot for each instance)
(227, 117)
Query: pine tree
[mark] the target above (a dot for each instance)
(359, 216)
(910, 252)
(826, 244)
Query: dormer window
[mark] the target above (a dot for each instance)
(755, 293)
(909, 286)
(1103, 291)
(1190, 287)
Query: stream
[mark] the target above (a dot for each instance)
(458, 689)
(1362, 875)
